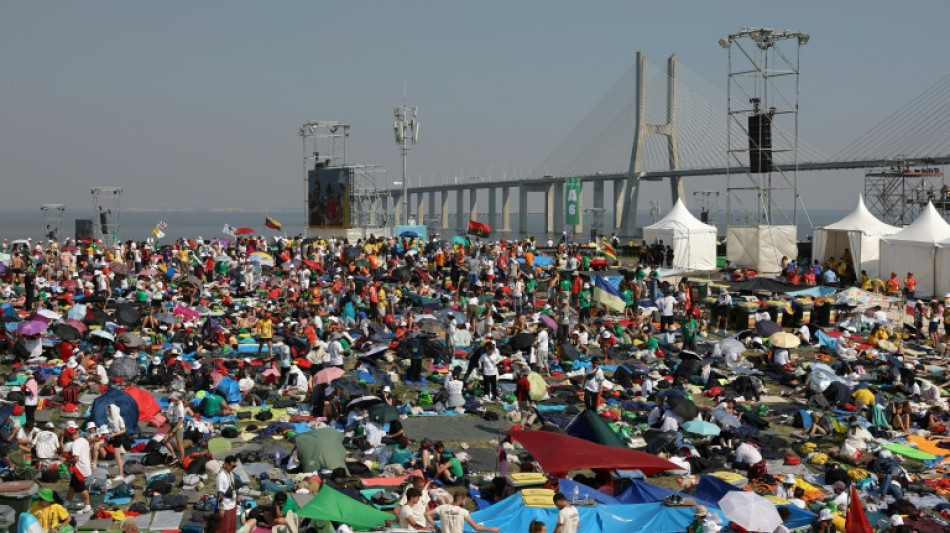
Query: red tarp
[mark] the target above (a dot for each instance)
(148, 407)
(559, 454)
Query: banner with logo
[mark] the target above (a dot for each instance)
(572, 201)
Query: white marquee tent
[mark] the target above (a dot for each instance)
(693, 242)
(861, 232)
(914, 249)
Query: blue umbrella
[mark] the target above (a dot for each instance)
(409, 234)
(701, 427)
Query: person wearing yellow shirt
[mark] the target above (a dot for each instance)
(52, 516)
(863, 396)
(865, 281)
(265, 334)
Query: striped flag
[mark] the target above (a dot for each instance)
(608, 250)
(271, 223)
(606, 294)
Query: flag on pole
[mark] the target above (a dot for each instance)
(229, 230)
(606, 294)
(271, 223)
(855, 520)
(608, 250)
(159, 230)
(479, 228)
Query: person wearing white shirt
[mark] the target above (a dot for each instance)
(542, 344)
(454, 516)
(488, 366)
(335, 352)
(671, 422)
(77, 455)
(409, 514)
(780, 357)
(568, 519)
(46, 443)
(454, 387)
(593, 383)
(226, 521)
(747, 455)
(666, 304)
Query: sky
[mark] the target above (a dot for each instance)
(196, 105)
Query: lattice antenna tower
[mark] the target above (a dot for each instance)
(52, 219)
(762, 98)
(106, 213)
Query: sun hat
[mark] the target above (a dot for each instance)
(790, 479)
(825, 514)
(896, 520)
(701, 511)
(839, 485)
(47, 495)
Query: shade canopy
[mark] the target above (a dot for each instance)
(860, 233)
(559, 454)
(334, 506)
(693, 242)
(914, 249)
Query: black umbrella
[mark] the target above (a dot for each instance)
(363, 401)
(402, 274)
(684, 355)
(66, 332)
(522, 341)
(125, 368)
(349, 387)
(430, 325)
(383, 413)
(352, 251)
(127, 315)
(767, 327)
(131, 340)
(683, 407)
(96, 316)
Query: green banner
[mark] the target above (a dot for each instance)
(572, 201)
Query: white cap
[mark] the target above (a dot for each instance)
(587, 285)
(605, 334)
(825, 514)
(90, 426)
(897, 520)
(387, 389)
(790, 479)
(846, 335)
(71, 424)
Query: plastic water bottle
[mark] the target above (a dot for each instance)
(577, 493)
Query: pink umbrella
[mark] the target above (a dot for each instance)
(33, 327)
(549, 321)
(148, 272)
(80, 327)
(328, 374)
(186, 312)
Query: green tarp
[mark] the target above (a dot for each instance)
(588, 425)
(321, 448)
(335, 506)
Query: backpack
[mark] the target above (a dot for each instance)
(161, 484)
(169, 502)
(264, 415)
(230, 432)
(195, 463)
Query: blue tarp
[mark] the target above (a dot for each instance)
(512, 515)
(827, 340)
(711, 489)
(127, 407)
(643, 492)
(814, 292)
(230, 390)
(566, 486)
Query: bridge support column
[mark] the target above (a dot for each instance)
(431, 206)
(420, 208)
(492, 211)
(445, 209)
(461, 224)
(472, 205)
(522, 210)
(397, 207)
(618, 203)
(506, 209)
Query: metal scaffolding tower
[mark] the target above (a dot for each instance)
(52, 219)
(898, 194)
(106, 211)
(762, 125)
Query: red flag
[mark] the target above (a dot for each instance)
(855, 521)
(478, 228)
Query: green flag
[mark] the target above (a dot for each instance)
(572, 201)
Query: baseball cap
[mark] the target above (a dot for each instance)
(825, 514)
(896, 520)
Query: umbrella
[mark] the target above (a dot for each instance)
(352, 251)
(363, 401)
(361, 262)
(726, 419)
(683, 407)
(186, 312)
(458, 239)
(886, 345)
(731, 346)
(701, 427)
(66, 332)
(549, 321)
(409, 234)
(895, 361)
(103, 334)
(349, 387)
(376, 348)
(327, 375)
(383, 413)
(47, 313)
(148, 272)
(262, 258)
(33, 327)
(686, 354)
(444, 314)
(68, 284)
(783, 339)
(750, 511)
(120, 268)
(80, 327)
(131, 340)
(191, 280)
(127, 315)
(166, 318)
(430, 325)
(244, 231)
(767, 327)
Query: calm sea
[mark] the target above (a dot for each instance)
(138, 224)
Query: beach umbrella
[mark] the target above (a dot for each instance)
(683, 407)
(127, 315)
(33, 327)
(49, 314)
(131, 340)
(262, 258)
(103, 334)
(409, 234)
(726, 419)
(767, 327)
(244, 231)
(363, 401)
(430, 325)
(783, 339)
(701, 427)
(148, 272)
(383, 413)
(731, 346)
(66, 332)
(80, 327)
(327, 375)
(750, 511)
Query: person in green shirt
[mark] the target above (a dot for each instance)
(650, 343)
(583, 298)
(214, 405)
(586, 262)
(530, 288)
(449, 469)
(690, 328)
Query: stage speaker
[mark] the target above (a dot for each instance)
(84, 229)
(760, 143)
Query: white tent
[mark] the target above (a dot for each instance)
(761, 247)
(693, 242)
(942, 270)
(861, 232)
(914, 249)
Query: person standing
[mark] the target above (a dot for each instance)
(454, 516)
(666, 304)
(542, 342)
(80, 467)
(30, 397)
(593, 382)
(265, 335)
(226, 519)
(568, 519)
(488, 365)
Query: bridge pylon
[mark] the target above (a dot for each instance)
(630, 196)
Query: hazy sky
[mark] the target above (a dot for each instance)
(197, 104)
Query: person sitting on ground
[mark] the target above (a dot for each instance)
(50, 513)
(450, 469)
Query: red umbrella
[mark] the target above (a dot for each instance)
(313, 265)
(244, 231)
(559, 454)
(148, 272)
